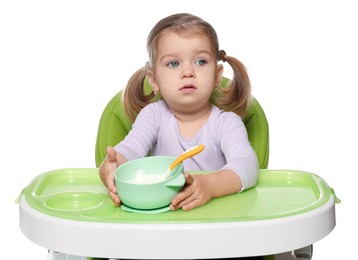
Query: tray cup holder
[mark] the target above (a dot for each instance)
(72, 201)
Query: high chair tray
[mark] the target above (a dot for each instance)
(69, 211)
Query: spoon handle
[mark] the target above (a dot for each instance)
(189, 153)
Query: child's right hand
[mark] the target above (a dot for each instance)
(106, 173)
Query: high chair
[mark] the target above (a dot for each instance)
(69, 212)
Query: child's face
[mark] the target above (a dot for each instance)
(186, 71)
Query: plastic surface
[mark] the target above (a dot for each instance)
(145, 211)
(114, 126)
(69, 211)
(78, 194)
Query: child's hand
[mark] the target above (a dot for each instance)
(106, 173)
(197, 192)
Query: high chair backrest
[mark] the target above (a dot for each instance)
(114, 125)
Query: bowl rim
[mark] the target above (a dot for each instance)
(179, 168)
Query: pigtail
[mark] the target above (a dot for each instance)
(134, 96)
(236, 96)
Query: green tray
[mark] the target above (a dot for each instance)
(78, 194)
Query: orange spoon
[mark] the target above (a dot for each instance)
(188, 153)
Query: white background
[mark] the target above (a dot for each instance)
(62, 61)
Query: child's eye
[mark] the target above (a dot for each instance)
(200, 62)
(173, 64)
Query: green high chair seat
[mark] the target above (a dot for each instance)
(114, 125)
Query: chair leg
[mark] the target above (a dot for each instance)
(52, 255)
(303, 253)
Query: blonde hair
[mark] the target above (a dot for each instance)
(235, 96)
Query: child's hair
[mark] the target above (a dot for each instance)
(233, 97)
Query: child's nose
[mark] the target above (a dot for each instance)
(188, 72)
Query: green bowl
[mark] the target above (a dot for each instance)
(141, 183)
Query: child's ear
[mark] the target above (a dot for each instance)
(219, 74)
(152, 81)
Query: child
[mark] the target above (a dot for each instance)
(183, 69)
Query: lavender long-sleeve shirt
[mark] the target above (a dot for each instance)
(224, 136)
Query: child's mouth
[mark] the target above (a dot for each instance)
(188, 88)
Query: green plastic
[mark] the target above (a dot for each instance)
(78, 194)
(114, 126)
(151, 195)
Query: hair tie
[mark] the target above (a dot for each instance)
(222, 55)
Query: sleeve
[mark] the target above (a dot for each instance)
(239, 154)
(142, 136)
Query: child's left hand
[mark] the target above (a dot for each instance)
(197, 192)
